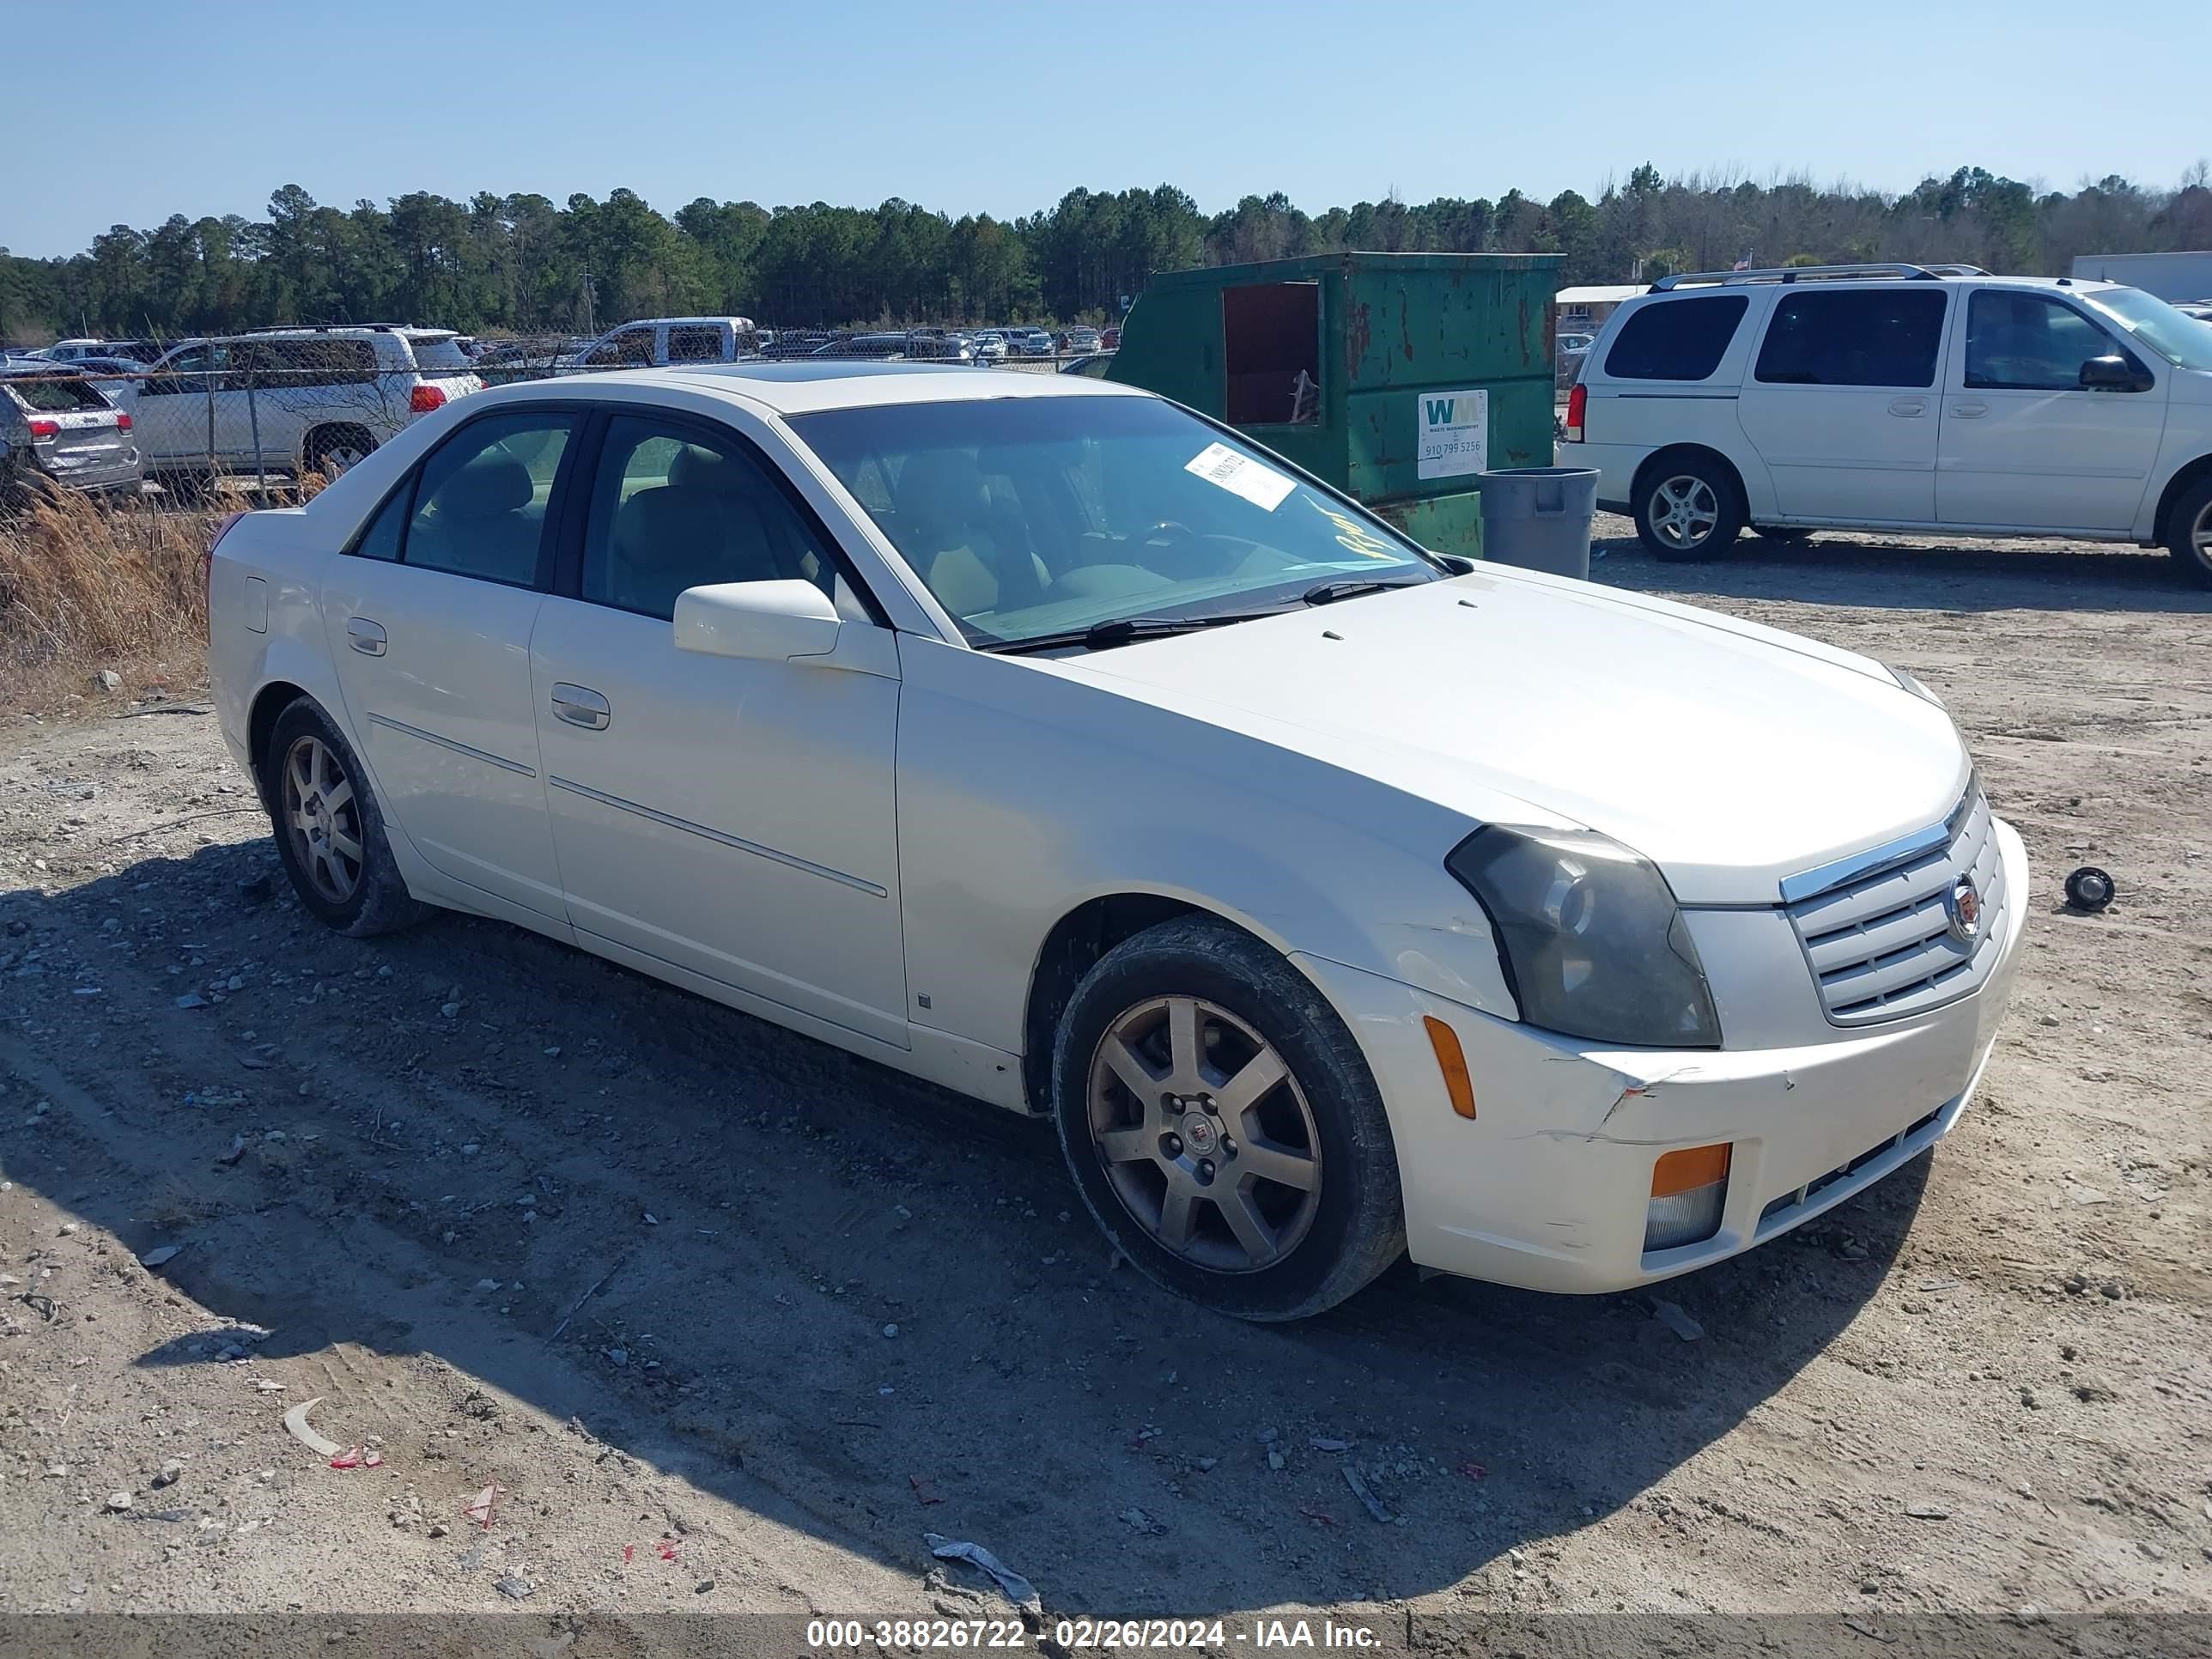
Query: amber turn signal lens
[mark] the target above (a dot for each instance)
(1451, 1060)
(1686, 1170)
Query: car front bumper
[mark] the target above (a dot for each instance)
(1548, 1187)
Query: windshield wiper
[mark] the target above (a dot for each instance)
(1121, 630)
(1348, 587)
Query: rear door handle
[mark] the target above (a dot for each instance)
(580, 705)
(1973, 411)
(365, 636)
(1909, 407)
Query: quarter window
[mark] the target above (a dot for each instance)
(480, 507)
(1870, 337)
(1680, 339)
(675, 505)
(2026, 343)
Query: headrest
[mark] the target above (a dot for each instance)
(673, 521)
(706, 469)
(487, 486)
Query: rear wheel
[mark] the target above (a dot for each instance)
(2189, 534)
(1222, 1125)
(330, 831)
(1687, 509)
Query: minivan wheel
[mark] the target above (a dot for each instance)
(1687, 510)
(329, 832)
(1223, 1126)
(331, 450)
(2189, 536)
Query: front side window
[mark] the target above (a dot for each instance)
(1032, 517)
(2026, 343)
(677, 506)
(1676, 339)
(1868, 336)
(187, 372)
(480, 505)
(695, 343)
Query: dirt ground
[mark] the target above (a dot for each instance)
(730, 1319)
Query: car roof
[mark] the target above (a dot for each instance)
(809, 386)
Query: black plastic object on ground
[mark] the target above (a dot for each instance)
(2089, 889)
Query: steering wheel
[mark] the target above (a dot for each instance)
(1167, 527)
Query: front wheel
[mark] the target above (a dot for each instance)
(2190, 538)
(1688, 510)
(1222, 1125)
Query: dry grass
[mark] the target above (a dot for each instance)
(86, 586)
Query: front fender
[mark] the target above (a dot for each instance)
(1023, 796)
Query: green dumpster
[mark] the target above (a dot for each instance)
(1397, 377)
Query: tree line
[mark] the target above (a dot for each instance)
(522, 264)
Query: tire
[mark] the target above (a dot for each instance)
(318, 808)
(1787, 535)
(331, 450)
(1688, 508)
(1190, 1008)
(2189, 531)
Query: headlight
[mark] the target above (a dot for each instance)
(1592, 941)
(1911, 683)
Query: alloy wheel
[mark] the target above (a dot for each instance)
(1684, 511)
(2200, 536)
(323, 818)
(1205, 1134)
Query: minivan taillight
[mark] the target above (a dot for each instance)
(426, 397)
(1578, 400)
(207, 570)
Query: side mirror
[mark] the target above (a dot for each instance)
(2114, 373)
(758, 621)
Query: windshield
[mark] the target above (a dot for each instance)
(1030, 516)
(2180, 339)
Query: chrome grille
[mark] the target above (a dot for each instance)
(1881, 943)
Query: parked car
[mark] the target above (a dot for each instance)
(657, 342)
(1154, 807)
(990, 346)
(2200, 310)
(71, 351)
(1094, 366)
(312, 399)
(1028, 343)
(1899, 398)
(59, 430)
(1109, 339)
(936, 346)
(1080, 341)
(882, 347)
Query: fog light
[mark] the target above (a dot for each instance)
(1689, 1190)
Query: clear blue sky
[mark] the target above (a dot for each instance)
(207, 105)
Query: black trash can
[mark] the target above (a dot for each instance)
(1539, 518)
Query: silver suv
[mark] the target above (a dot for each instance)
(290, 400)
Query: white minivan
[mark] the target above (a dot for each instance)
(1913, 398)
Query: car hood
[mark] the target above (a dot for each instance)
(1730, 754)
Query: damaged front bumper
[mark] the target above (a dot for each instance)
(1549, 1185)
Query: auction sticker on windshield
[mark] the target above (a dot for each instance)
(1240, 474)
(1455, 428)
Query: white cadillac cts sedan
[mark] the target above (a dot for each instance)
(1038, 737)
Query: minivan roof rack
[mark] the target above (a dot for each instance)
(1809, 273)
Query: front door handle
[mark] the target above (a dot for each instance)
(580, 705)
(1908, 408)
(1973, 411)
(365, 636)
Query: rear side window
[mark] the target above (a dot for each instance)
(304, 362)
(695, 343)
(1876, 336)
(480, 503)
(55, 394)
(1676, 339)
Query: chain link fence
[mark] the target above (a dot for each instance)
(267, 411)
